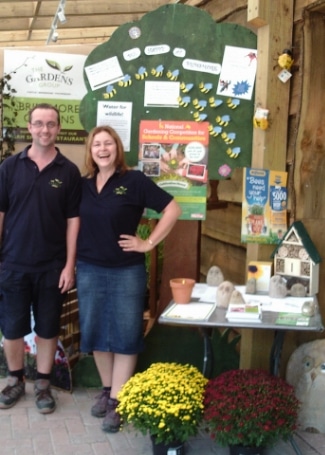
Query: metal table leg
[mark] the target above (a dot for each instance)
(276, 352)
(207, 366)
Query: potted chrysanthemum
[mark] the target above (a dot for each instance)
(249, 410)
(166, 401)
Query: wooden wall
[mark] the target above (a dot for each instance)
(302, 156)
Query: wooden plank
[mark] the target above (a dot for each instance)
(224, 224)
(257, 13)
(269, 146)
(181, 257)
(225, 256)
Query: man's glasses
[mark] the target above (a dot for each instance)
(39, 125)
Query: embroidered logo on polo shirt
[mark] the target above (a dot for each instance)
(120, 190)
(55, 183)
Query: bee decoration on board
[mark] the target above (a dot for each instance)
(228, 138)
(158, 71)
(200, 105)
(233, 153)
(142, 73)
(214, 130)
(205, 87)
(233, 103)
(198, 117)
(126, 81)
(185, 88)
(173, 75)
(224, 120)
(213, 102)
(184, 101)
(110, 92)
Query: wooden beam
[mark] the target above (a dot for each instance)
(257, 12)
(274, 34)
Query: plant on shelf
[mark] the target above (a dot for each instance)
(249, 408)
(166, 401)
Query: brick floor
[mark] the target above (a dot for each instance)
(72, 430)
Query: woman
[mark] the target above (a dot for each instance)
(111, 276)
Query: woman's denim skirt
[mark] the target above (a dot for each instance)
(111, 304)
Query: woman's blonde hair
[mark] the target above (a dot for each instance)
(91, 167)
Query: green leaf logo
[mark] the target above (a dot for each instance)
(56, 66)
(55, 183)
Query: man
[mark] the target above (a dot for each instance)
(39, 223)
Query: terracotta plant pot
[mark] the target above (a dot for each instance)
(182, 289)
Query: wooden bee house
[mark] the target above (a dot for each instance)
(297, 259)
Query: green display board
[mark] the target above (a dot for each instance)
(183, 44)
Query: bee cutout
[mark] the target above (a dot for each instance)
(233, 103)
(142, 73)
(205, 87)
(158, 71)
(199, 117)
(233, 153)
(214, 130)
(224, 85)
(260, 119)
(228, 138)
(224, 120)
(173, 75)
(126, 81)
(110, 92)
(200, 105)
(184, 101)
(185, 88)
(213, 102)
(285, 60)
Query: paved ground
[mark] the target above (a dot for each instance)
(72, 430)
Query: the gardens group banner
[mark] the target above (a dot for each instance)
(44, 77)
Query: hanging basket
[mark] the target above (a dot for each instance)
(240, 450)
(172, 448)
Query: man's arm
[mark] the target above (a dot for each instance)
(67, 278)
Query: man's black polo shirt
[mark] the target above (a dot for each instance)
(37, 205)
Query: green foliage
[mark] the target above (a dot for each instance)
(7, 102)
(225, 354)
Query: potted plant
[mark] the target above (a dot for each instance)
(256, 218)
(166, 401)
(249, 409)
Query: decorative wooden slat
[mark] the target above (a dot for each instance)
(86, 21)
